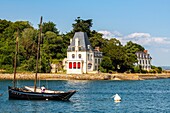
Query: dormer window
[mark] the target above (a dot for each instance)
(88, 46)
(79, 43)
(79, 48)
(73, 48)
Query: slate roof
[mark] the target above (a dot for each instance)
(84, 41)
(143, 55)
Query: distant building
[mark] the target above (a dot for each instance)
(81, 58)
(144, 60)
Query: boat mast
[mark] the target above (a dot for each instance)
(15, 60)
(38, 49)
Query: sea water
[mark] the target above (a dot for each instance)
(146, 96)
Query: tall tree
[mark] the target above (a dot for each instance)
(4, 24)
(115, 51)
(28, 49)
(96, 39)
(49, 26)
(106, 63)
(131, 58)
(82, 25)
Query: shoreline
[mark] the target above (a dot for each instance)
(97, 76)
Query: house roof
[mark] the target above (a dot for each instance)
(83, 41)
(141, 54)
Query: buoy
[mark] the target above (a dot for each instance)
(116, 97)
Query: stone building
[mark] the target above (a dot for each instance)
(81, 58)
(144, 60)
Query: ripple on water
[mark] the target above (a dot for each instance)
(146, 96)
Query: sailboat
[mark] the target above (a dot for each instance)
(34, 93)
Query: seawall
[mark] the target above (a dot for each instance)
(101, 76)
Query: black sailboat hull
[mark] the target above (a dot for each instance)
(21, 94)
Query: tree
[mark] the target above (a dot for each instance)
(4, 24)
(28, 49)
(131, 58)
(115, 51)
(53, 45)
(8, 36)
(82, 25)
(96, 39)
(106, 63)
(49, 26)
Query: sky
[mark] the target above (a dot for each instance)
(145, 22)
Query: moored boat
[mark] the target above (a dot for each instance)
(34, 93)
(28, 94)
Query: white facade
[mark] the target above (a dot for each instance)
(80, 55)
(144, 60)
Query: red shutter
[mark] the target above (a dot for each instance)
(78, 65)
(74, 65)
(70, 65)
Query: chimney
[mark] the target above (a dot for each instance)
(97, 48)
(76, 44)
(70, 41)
(145, 51)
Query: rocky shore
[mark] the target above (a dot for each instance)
(101, 76)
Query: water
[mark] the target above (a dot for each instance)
(148, 96)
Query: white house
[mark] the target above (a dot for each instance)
(144, 60)
(81, 58)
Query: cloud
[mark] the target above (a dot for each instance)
(144, 39)
(139, 35)
(109, 35)
(159, 47)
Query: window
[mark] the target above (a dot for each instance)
(89, 65)
(78, 65)
(91, 57)
(79, 48)
(70, 65)
(95, 61)
(74, 65)
(88, 56)
(73, 48)
(79, 43)
(73, 56)
(88, 46)
(98, 61)
(79, 55)
(95, 67)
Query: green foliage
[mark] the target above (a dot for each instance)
(116, 58)
(82, 25)
(156, 69)
(3, 25)
(106, 63)
(137, 69)
(130, 56)
(116, 52)
(49, 26)
(96, 40)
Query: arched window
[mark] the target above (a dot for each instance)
(74, 65)
(79, 55)
(88, 56)
(91, 57)
(78, 65)
(70, 65)
(73, 56)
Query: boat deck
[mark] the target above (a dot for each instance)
(38, 90)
